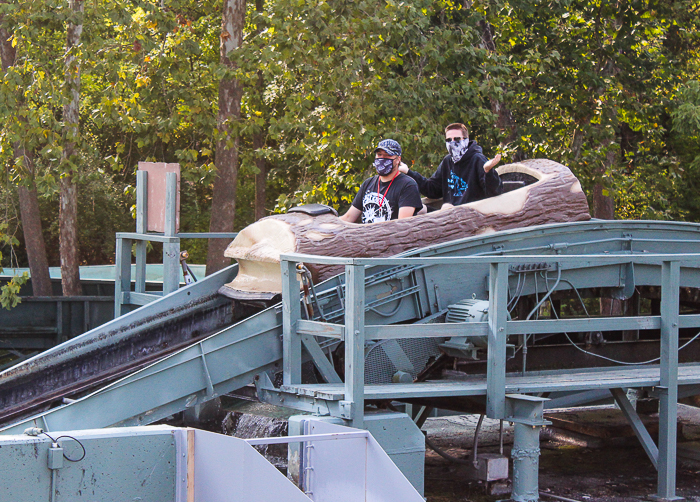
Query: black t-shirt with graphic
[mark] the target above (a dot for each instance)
(403, 192)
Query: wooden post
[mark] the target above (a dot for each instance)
(122, 281)
(498, 333)
(668, 390)
(291, 341)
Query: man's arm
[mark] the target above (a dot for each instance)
(430, 187)
(492, 163)
(409, 199)
(491, 183)
(353, 214)
(406, 212)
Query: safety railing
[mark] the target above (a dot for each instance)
(123, 295)
(354, 332)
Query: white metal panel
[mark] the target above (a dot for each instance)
(228, 469)
(385, 482)
(346, 470)
(334, 471)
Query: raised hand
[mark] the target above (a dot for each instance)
(491, 163)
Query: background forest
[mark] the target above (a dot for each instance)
(273, 103)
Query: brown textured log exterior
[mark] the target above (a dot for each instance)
(556, 197)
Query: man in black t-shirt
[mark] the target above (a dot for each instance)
(388, 196)
(464, 175)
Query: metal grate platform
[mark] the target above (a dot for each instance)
(647, 376)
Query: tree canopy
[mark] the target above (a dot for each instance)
(609, 88)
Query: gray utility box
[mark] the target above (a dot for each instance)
(138, 464)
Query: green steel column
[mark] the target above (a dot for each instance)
(291, 341)
(526, 462)
(355, 343)
(496, 363)
(171, 250)
(527, 413)
(668, 402)
(122, 282)
(141, 228)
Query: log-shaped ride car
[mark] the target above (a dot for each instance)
(537, 192)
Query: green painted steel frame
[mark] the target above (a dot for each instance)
(355, 333)
(171, 248)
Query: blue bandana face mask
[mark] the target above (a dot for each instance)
(383, 166)
(457, 148)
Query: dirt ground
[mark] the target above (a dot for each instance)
(610, 471)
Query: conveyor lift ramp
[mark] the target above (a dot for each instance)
(417, 287)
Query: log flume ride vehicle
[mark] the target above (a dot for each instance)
(539, 192)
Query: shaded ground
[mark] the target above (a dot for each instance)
(611, 473)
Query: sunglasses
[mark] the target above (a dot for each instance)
(456, 140)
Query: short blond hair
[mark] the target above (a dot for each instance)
(455, 126)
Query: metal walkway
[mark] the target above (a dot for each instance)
(532, 383)
(394, 294)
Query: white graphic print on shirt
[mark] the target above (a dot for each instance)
(371, 212)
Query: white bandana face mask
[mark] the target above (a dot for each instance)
(457, 148)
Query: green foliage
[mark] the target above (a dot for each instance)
(685, 140)
(340, 76)
(9, 293)
(594, 84)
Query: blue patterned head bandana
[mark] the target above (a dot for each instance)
(389, 146)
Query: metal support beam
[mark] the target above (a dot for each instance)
(668, 402)
(527, 413)
(122, 283)
(422, 415)
(267, 393)
(496, 363)
(291, 342)
(141, 228)
(171, 251)
(635, 422)
(320, 360)
(355, 344)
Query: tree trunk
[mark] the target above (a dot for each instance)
(505, 121)
(223, 207)
(554, 196)
(28, 200)
(68, 207)
(7, 52)
(34, 240)
(259, 142)
(260, 178)
(603, 204)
